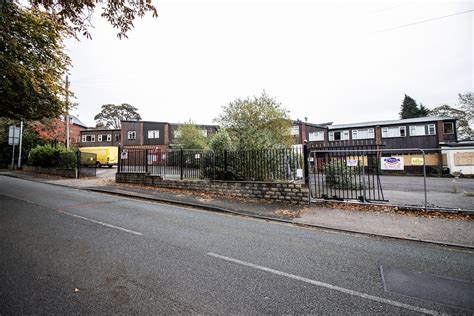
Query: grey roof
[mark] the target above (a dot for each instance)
(393, 122)
(76, 121)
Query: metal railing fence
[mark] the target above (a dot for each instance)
(410, 177)
(249, 165)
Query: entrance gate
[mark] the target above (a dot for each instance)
(345, 173)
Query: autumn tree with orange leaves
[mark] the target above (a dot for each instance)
(50, 130)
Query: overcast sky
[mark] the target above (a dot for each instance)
(334, 60)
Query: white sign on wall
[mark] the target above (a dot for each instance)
(124, 155)
(392, 163)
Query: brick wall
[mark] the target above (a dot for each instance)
(286, 192)
(67, 173)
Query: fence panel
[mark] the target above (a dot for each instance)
(409, 177)
(250, 165)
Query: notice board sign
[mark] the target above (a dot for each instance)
(392, 163)
(124, 155)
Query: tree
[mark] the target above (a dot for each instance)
(464, 131)
(466, 103)
(50, 130)
(220, 141)
(112, 114)
(409, 109)
(191, 137)
(256, 123)
(32, 64)
(77, 15)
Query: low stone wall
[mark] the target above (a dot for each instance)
(287, 192)
(67, 173)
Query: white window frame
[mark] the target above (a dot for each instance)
(177, 134)
(452, 128)
(404, 129)
(132, 135)
(331, 136)
(316, 136)
(99, 137)
(431, 126)
(370, 133)
(153, 134)
(394, 131)
(345, 135)
(203, 132)
(109, 137)
(414, 128)
(84, 138)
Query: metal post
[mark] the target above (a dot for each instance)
(67, 113)
(363, 177)
(78, 163)
(21, 141)
(13, 151)
(146, 160)
(424, 180)
(225, 162)
(181, 163)
(306, 164)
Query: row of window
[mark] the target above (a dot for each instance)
(387, 132)
(100, 138)
(155, 134)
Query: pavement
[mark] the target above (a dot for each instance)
(73, 251)
(451, 230)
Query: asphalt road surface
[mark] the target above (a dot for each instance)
(70, 251)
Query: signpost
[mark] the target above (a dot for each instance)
(13, 139)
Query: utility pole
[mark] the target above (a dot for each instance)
(67, 113)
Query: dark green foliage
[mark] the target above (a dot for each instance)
(341, 176)
(32, 64)
(48, 156)
(464, 130)
(410, 109)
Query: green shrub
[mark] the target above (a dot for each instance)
(341, 176)
(48, 156)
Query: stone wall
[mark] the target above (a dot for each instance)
(287, 192)
(67, 173)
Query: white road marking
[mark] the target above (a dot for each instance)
(102, 223)
(326, 285)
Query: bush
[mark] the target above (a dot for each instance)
(48, 156)
(341, 176)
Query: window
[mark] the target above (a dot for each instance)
(417, 130)
(99, 138)
(295, 131)
(203, 132)
(177, 134)
(153, 134)
(316, 136)
(363, 133)
(109, 137)
(396, 131)
(132, 135)
(117, 137)
(88, 138)
(403, 131)
(344, 135)
(431, 129)
(448, 128)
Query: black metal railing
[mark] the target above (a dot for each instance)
(345, 173)
(248, 165)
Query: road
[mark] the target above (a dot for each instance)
(65, 250)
